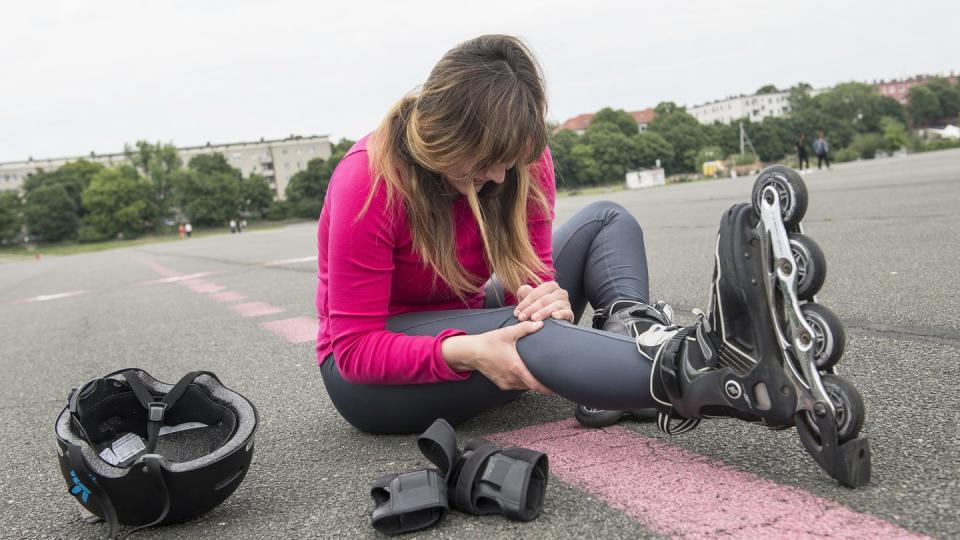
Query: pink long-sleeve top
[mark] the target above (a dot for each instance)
(369, 271)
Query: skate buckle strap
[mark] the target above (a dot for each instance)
(672, 423)
(665, 366)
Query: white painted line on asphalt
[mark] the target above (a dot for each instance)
(47, 297)
(175, 279)
(290, 261)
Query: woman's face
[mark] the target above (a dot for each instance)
(460, 178)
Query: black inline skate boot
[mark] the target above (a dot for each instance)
(761, 354)
(629, 318)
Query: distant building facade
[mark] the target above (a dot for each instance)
(755, 107)
(579, 124)
(899, 89)
(277, 160)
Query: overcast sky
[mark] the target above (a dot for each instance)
(89, 76)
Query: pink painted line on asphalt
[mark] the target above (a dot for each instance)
(294, 329)
(203, 287)
(228, 296)
(48, 297)
(679, 493)
(159, 268)
(255, 309)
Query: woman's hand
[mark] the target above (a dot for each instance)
(494, 354)
(545, 300)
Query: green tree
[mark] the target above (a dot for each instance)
(948, 95)
(726, 136)
(74, 177)
(767, 89)
(924, 105)
(158, 163)
(586, 171)
(51, 214)
(207, 199)
(682, 131)
(650, 148)
(117, 201)
(256, 195)
(613, 151)
(11, 215)
(618, 118)
(858, 105)
(773, 138)
(306, 190)
(561, 143)
(212, 164)
(894, 134)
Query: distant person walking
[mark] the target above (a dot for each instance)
(821, 148)
(803, 161)
(233, 226)
(189, 228)
(181, 230)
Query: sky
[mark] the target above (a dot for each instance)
(77, 77)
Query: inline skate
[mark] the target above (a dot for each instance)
(766, 351)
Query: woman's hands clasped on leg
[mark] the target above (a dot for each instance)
(494, 354)
(544, 300)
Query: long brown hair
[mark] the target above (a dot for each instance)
(484, 103)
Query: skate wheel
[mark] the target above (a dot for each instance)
(848, 405)
(829, 336)
(596, 418)
(811, 265)
(791, 188)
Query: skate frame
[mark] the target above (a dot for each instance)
(847, 462)
(781, 269)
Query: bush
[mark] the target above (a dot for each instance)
(744, 159)
(845, 154)
(277, 211)
(939, 144)
(89, 233)
(867, 144)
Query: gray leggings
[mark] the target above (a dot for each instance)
(599, 257)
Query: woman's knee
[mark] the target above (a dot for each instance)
(609, 211)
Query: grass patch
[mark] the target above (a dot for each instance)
(73, 248)
(593, 190)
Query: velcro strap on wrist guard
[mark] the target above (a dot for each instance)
(409, 501)
(510, 481)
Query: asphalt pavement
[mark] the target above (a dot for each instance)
(241, 305)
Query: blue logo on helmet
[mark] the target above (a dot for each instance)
(78, 489)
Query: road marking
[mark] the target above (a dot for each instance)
(228, 296)
(255, 309)
(203, 287)
(294, 329)
(48, 297)
(676, 492)
(174, 279)
(290, 261)
(158, 268)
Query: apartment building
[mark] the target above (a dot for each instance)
(275, 159)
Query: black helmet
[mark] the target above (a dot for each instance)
(139, 452)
